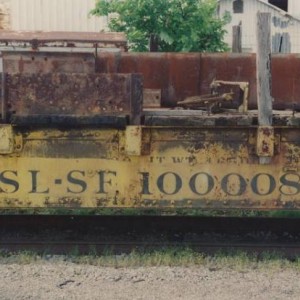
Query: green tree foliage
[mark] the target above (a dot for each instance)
(171, 25)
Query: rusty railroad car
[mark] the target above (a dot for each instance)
(87, 128)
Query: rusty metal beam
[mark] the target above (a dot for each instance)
(20, 61)
(39, 38)
(75, 95)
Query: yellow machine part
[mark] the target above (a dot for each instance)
(147, 167)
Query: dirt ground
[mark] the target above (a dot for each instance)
(66, 280)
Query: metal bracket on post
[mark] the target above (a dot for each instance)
(265, 141)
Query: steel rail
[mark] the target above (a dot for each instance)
(97, 234)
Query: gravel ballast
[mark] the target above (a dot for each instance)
(67, 280)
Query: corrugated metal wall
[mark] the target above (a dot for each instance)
(55, 15)
(283, 27)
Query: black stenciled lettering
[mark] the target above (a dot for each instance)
(9, 181)
(103, 180)
(81, 184)
(288, 183)
(34, 182)
(145, 183)
(178, 160)
(241, 182)
(209, 185)
(161, 183)
(157, 159)
(255, 184)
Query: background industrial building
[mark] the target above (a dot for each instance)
(285, 23)
(49, 15)
(73, 15)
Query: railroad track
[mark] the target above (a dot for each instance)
(86, 235)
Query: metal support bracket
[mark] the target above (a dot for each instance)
(136, 141)
(6, 139)
(265, 141)
(151, 98)
(133, 140)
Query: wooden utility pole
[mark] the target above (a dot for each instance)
(264, 99)
(3, 96)
(237, 39)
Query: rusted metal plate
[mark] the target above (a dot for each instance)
(200, 118)
(202, 169)
(74, 94)
(184, 75)
(42, 38)
(152, 98)
(176, 75)
(285, 78)
(48, 62)
(71, 143)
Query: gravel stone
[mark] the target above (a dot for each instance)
(66, 280)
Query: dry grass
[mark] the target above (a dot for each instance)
(239, 261)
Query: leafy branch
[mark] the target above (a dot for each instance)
(173, 25)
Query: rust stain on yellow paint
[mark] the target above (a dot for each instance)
(148, 167)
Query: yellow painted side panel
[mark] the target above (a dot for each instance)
(176, 169)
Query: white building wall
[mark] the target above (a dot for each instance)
(5, 10)
(54, 15)
(294, 8)
(281, 23)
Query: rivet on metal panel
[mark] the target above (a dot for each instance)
(18, 140)
(6, 139)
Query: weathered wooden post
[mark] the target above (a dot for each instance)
(265, 135)
(237, 38)
(3, 98)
